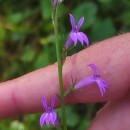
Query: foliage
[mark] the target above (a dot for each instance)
(27, 42)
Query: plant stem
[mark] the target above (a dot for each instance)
(58, 53)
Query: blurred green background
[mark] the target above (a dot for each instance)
(27, 43)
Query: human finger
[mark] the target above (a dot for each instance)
(111, 56)
(113, 116)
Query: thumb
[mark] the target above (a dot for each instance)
(113, 116)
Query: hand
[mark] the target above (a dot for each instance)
(24, 94)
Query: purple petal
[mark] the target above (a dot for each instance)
(84, 82)
(44, 103)
(54, 3)
(95, 71)
(104, 83)
(68, 42)
(85, 38)
(101, 90)
(53, 102)
(53, 118)
(72, 21)
(48, 118)
(101, 86)
(42, 119)
(80, 38)
(80, 22)
(74, 37)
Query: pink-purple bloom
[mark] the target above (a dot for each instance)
(75, 34)
(49, 116)
(102, 84)
(54, 2)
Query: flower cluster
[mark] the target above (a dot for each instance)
(49, 116)
(95, 78)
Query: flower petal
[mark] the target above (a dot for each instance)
(48, 118)
(68, 42)
(102, 91)
(80, 22)
(72, 21)
(74, 37)
(42, 119)
(53, 118)
(53, 102)
(101, 86)
(85, 38)
(104, 83)
(80, 38)
(44, 102)
(95, 71)
(84, 82)
(54, 3)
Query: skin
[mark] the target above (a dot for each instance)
(111, 56)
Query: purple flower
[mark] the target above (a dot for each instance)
(93, 79)
(54, 3)
(49, 115)
(75, 34)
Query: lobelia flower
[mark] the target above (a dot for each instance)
(54, 3)
(102, 84)
(75, 34)
(49, 116)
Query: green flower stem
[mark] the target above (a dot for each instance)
(58, 53)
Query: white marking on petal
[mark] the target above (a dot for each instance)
(73, 37)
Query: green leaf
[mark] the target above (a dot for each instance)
(83, 124)
(61, 10)
(126, 17)
(102, 30)
(17, 36)
(16, 125)
(15, 18)
(88, 10)
(42, 60)
(73, 118)
(2, 33)
(28, 54)
(46, 9)
(105, 1)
